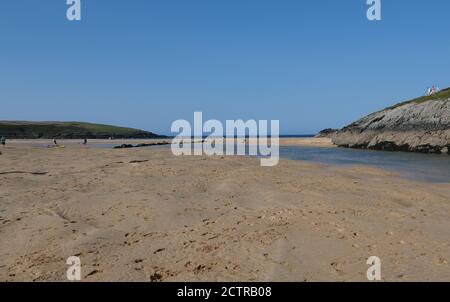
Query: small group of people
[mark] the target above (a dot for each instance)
(55, 142)
(432, 90)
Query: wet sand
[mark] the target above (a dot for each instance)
(307, 142)
(145, 215)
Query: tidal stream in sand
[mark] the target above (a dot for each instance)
(423, 167)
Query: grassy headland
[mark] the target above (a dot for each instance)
(441, 95)
(68, 130)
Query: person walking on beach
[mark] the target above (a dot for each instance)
(85, 141)
(55, 142)
(3, 142)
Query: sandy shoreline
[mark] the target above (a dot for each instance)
(145, 215)
(306, 141)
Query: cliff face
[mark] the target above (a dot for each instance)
(326, 133)
(420, 125)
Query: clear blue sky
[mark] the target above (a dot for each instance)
(312, 64)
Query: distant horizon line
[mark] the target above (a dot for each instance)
(132, 127)
(247, 136)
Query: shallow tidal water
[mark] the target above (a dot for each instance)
(423, 167)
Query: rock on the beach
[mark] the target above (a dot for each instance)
(421, 125)
(124, 146)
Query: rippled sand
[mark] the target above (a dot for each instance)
(145, 215)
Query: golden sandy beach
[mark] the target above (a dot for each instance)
(145, 215)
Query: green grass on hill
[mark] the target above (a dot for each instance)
(75, 130)
(441, 95)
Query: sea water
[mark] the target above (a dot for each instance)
(416, 166)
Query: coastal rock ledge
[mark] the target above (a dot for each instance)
(420, 125)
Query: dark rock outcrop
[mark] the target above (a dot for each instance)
(421, 125)
(327, 133)
(127, 146)
(124, 146)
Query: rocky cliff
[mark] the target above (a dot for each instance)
(419, 125)
(327, 133)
